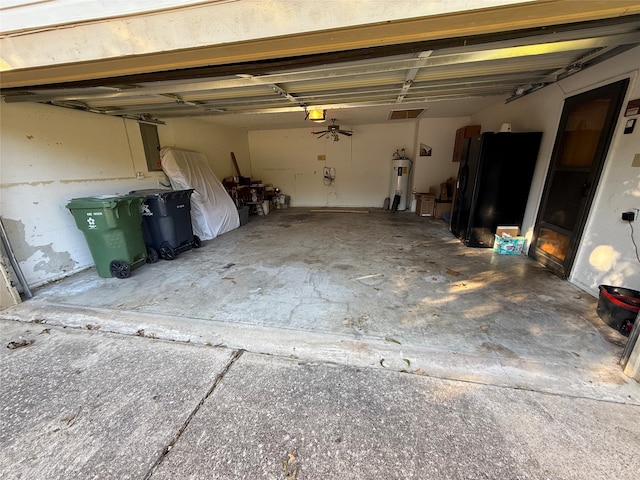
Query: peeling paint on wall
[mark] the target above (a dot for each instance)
(90, 180)
(21, 184)
(36, 257)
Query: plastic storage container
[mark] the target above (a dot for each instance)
(166, 222)
(618, 307)
(112, 226)
(243, 213)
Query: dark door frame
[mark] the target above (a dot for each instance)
(617, 91)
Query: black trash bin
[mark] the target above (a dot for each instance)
(618, 307)
(166, 225)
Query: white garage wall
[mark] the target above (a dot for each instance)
(49, 155)
(440, 135)
(288, 159)
(607, 254)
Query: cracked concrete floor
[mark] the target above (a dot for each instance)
(97, 405)
(394, 291)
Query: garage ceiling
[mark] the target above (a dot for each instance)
(449, 77)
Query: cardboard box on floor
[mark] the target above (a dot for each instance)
(441, 207)
(424, 204)
(446, 190)
(510, 231)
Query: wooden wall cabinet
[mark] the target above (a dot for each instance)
(461, 134)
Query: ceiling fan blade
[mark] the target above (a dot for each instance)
(322, 134)
(348, 133)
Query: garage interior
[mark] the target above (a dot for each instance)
(364, 286)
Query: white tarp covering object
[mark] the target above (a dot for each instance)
(212, 209)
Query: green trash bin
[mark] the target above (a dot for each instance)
(112, 226)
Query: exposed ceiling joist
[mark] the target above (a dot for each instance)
(409, 76)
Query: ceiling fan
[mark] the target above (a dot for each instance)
(332, 131)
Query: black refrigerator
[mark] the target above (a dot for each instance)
(493, 184)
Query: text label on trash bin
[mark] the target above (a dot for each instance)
(91, 221)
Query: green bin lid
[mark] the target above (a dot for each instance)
(101, 201)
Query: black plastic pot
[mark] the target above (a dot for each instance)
(618, 307)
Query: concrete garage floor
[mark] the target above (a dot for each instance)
(317, 346)
(378, 289)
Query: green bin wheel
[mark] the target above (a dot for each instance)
(120, 269)
(167, 252)
(196, 242)
(152, 255)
